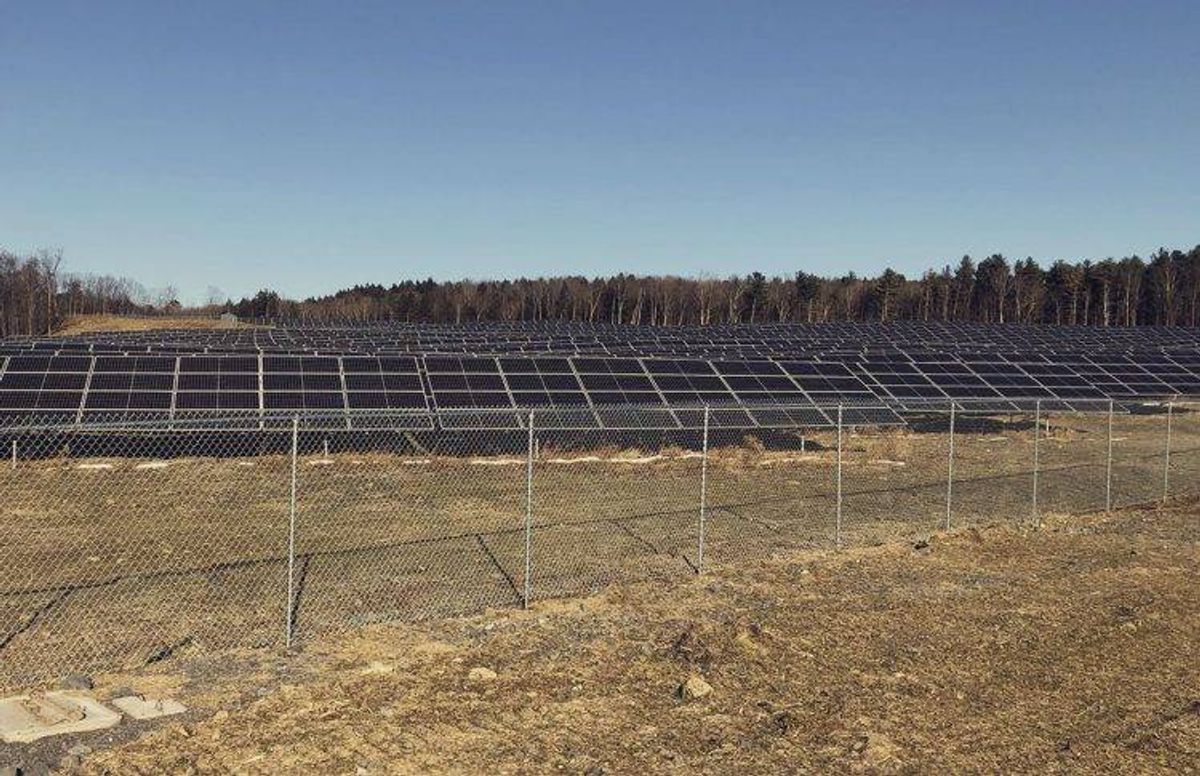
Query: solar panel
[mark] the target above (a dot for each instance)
(622, 394)
(467, 384)
(48, 388)
(545, 383)
(590, 369)
(760, 384)
(382, 384)
(299, 383)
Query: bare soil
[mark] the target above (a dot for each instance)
(994, 647)
(92, 324)
(106, 564)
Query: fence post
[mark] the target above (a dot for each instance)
(950, 470)
(528, 515)
(1167, 456)
(291, 536)
(837, 529)
(1108, 465)
(14, 455)
(703, 492)
(1037, 435)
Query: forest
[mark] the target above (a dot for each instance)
(37, 293)
(1162, 290)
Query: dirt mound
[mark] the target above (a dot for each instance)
(91, 324)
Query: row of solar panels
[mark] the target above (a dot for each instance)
(768, 340)
(1185, 359)
(912, 354)
(105, 385)
(1150, 372)
(893, 331)
(82, 388)
(739, 354)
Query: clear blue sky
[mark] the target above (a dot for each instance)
(310, 146)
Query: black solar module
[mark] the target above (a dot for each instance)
(622, 375)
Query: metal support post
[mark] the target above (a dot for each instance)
(528, 514)
(950, 470)
(14, 455)
(291, 568)
(1167, 456)
(703, 492)
(1037, 438)
(1108, 465)
(837, 529)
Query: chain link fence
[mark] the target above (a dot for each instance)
(124, 543)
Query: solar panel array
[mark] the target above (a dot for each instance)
(714, 342)
(591, 375)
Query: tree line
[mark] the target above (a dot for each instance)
(36, 295)
(1163, 290)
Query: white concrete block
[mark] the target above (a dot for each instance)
(140, 708)
(25, 718)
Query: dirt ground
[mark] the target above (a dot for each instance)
(995, 647)
(107, 562)
(91, 324)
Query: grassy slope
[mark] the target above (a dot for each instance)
(89, 324)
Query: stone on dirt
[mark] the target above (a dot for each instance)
(76, 682)
(139, 707)
(694, 689)
(481, 674)
(877, 751)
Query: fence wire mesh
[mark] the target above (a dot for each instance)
(124, 543)
(1184, 471)
(1073, 455)
(894, 480)
(1139, 457)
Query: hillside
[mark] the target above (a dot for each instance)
(92, 324)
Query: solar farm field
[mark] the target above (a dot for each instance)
(264, 486)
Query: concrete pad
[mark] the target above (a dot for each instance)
(25, 718)
(139, 707)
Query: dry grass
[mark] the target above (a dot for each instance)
(195, 548)
(92, 324)
(998, 648)
(893, 444)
